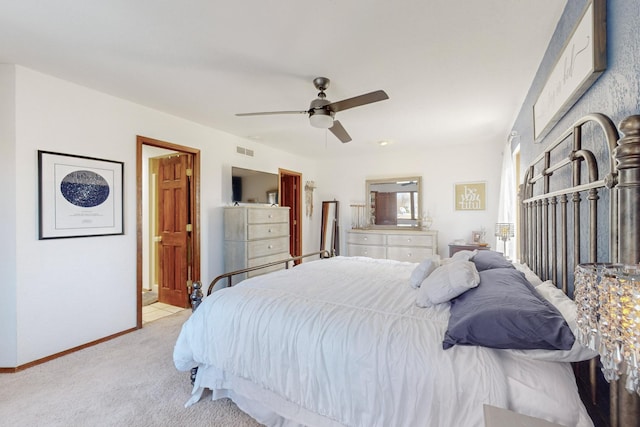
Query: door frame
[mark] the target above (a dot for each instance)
(294, 228)
(195, 212)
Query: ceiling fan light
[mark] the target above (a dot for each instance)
(322, 121)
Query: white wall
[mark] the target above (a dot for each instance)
(8, 178)
(69, 292)
(62, 293)
(440, 167)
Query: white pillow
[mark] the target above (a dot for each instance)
(460, 256)
(530, 275)
(447, 282)
(423, 270)
(567, 307)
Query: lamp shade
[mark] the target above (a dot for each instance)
(504, 230)
(321, 119)
(608, 320)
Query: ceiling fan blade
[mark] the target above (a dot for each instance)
(269, 113)
(356, 101)
(339, 132)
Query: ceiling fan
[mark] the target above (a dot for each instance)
(321, 111)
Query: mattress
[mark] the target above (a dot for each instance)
(341, 342)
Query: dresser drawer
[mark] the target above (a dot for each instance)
(260, 248)
(266, 260)
(365, 239)
(414, 254)
(369, 251)
(409, 240)
(266, 231)
(267, 216)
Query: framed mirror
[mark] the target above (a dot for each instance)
(394, 202)
(329, 228)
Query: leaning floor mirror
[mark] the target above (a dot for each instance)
(329, 229)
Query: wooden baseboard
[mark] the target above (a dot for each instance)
(63, 353)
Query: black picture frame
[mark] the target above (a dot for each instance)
(79, 196)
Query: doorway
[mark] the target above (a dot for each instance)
(291, 195)
(168, 220)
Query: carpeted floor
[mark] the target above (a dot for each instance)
(128, 381)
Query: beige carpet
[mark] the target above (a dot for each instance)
(128, 381)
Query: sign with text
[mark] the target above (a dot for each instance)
(581, 62)
(470, 196)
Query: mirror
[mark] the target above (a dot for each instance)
(394, 202)
(250, 186)
(329, 229)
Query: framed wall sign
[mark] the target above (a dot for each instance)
(470, 196)
(79, 196)
(582, 60)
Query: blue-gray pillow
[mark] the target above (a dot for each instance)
(485, 260)
(504, 311)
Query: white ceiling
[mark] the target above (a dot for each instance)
(454, 71)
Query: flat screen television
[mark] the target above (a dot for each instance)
(252, 186)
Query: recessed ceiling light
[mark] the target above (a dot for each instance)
(384, 143)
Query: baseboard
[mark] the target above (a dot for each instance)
(4, 370)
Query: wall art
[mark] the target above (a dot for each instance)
(79, 196)
(470, 196)
(582, 60)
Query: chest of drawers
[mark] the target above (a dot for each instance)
(400, 245)
(253, 236)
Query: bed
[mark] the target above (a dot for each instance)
(354, 341)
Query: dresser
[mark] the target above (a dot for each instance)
(400, 245)
(255, 235)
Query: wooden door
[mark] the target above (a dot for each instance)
(290, 195)
(174, 229)
(386, 209)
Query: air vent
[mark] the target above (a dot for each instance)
(245, 151)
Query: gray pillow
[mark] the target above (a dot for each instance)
(569, 311)
(423, 270)
(485, 260)
(505, 311)
(447, 282)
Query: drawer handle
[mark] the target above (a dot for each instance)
(366, 238)
(409, 255)
(270, 247)
(269, 230)
(270, 216)
(365, 252)
(409, 240)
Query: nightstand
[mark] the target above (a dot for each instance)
(453, 248)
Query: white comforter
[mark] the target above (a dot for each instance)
(342, 342)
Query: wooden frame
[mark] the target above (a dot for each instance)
(142, 141)
(79, 196)
(379, 217)
(329, 230)
(582, 60)
(470, 196)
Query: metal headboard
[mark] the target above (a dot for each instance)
(562, 224)
(546, 245)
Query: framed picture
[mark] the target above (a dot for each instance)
(470, 196)
(476, 237)
(79, 196)
(582, 60)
